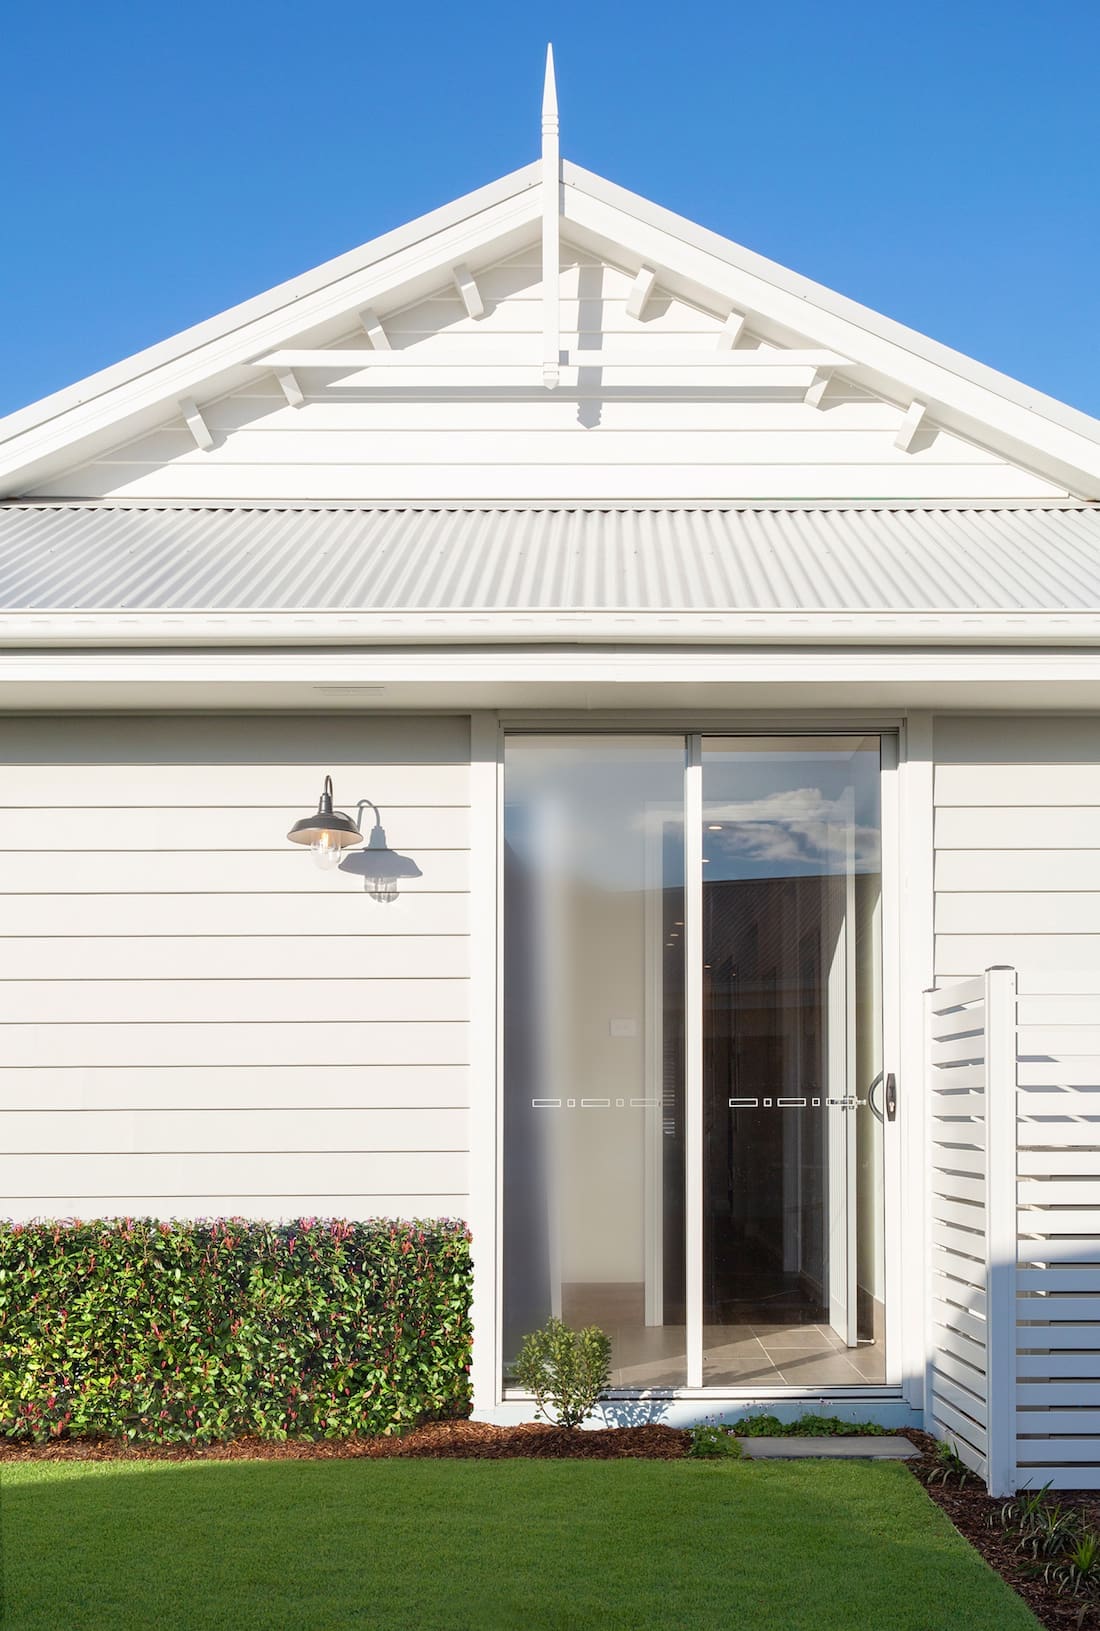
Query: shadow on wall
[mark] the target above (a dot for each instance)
(381, 868)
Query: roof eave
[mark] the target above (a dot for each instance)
(830, 629)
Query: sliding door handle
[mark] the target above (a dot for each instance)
(891, 1097)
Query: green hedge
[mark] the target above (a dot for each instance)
(199, 1331)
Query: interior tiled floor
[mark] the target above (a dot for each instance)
(754, 1354)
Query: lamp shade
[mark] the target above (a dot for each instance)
(328, 826)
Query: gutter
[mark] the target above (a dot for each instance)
(137, 629)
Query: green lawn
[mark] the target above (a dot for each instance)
(470, 1546)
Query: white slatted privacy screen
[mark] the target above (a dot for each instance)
(1014, 1349)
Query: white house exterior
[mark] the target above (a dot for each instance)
(722, 663)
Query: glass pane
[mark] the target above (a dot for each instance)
(792, 1193)
(594, 1045)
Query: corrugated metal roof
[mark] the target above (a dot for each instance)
(852, 558)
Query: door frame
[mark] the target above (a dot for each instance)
(904, 936)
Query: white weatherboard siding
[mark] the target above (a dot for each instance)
(193, 1018)
(461, 433)
(1017, 835)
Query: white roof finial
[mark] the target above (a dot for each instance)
(551, 205)
(549, 97)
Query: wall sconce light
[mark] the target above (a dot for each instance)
(328, 833)
(331, 835)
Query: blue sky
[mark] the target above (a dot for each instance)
(938, 162)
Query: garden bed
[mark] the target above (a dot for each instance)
(976, 1515)
(448, 1440)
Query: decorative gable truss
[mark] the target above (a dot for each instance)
(550, 339)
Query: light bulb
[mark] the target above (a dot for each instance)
(325, 850)
(383, 889)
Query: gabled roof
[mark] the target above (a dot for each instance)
(855, 574)
(313, 310)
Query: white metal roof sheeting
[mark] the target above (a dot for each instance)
(858, 559)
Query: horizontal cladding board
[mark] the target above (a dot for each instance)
(991, 912)
(1058, 1423)
(289, 870)
(556, 410)
(961, 1050)
(232, 1203)
(951, 1238)
(963, 1320)
(578, 444)
(1014, 870)
(955, 1111)
(1012, 743)
(234, 1087)
(316, 957)
(341, 913)
(1077, 1193)
(1066, 1308)
(200, 829)
(382, 1172)
(207, 746)
(958, 1084)
(958, 1187)
(1057, 1008)
(968, 1400)
(1048, 1472)
(967, 1436)
(962, 953)
(1075, 1163)
(1069, 1078)
(1073, 1130)
(1024, 827)
(956, 1266)
(568, 481)
(1036, 784)
(959, 1358)
(1071, 1450)
(955, 1158)
(240, 789)
(305, 1130)
(229, 1043)
(1063, 1250)
(101, 1001)
(968, 1021)
(1056, 1337)
(1055, 983)
(961, 1214)
(1053, 1367)
(1051, 1395)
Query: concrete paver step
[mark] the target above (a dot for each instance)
(842, 1448)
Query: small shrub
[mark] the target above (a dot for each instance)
(566, 1370)
(1078, 1570)
(808, 1426)
(709, 1442)
(950, 1467)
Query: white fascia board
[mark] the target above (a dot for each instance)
(962, 394)
(212, 357)
(827, 629)
(443, 667)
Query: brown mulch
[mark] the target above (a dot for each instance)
(466, 1440)
(970, 1509)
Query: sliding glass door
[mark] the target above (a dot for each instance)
(692, 1136)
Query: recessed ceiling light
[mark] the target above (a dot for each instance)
(715, 826)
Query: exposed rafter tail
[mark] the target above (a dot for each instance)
(551, 243)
